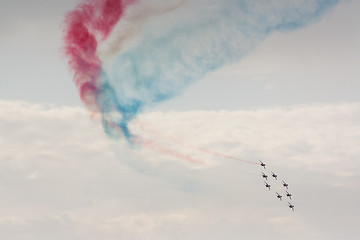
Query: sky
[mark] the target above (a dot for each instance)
(290, 100)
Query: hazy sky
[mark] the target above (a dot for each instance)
(292, 102)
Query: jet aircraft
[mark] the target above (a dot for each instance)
(262, 164)
(267, 185)
(291, 206)
(274, 175)
(288, 194)
(264, 175)
(278, 196)
(285, 184)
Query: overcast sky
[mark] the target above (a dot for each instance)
(292, 102)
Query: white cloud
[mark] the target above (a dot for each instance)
(321, 137)
(61, 178)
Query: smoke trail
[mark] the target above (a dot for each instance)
(85, 27)
(155, 132)
(201, 38)
(156, 147)
(135, 21)
(156, 48)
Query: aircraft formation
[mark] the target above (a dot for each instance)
(275, 178)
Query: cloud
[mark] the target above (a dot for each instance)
(312, 135)
(61, 176)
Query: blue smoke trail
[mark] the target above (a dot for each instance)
(200, 38)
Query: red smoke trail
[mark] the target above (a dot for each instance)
(156, 147)
(174, 138)
(137, 140)
(90, 23)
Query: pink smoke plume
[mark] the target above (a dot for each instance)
(85, 27)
